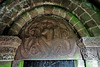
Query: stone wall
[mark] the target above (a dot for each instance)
(88, 17)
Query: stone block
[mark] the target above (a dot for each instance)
(85, 17)
(91, 41)
(56, 11)
(96, 17)
(48, 9)
(24, 4)
(2, 27)
(31, 3)
(72, 6)
(90, 24)
(26, 17)
(87, 9)
(78, 26)
(95, 31)
(91, 49)
(92, 63)
(18, 7)
(83, 33)
(11, 3)
(57, 1)
(20, 21)
(89, 53)
(14, 12)
(33, 13)
(15, 29)
(74, 21)
(79, 11)
(40, 10)
(6, 19)
(68, 17)
(66, 3)
(62, 13)
(38, 2)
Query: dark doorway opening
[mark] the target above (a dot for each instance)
(49, 63)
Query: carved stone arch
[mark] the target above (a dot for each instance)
(13, 9)
(47, 37)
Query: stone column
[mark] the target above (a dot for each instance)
(8, 47)
(90, 50)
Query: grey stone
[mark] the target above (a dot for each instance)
(91, 41)
(15, 63)
(89, 53)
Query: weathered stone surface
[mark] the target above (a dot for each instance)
(57, 1)
(2, 27)
(38, 2)
(72, 7)
(8, 47)
(48, 9)
(26, 17)
(92, 63)
(98, 51)
(40, 10)
(62, 13)
(79, 11)
(56, 11)
(6, 19)
(95, 31)
(15, 29)
(85, 17)
(89, 53)
(11, 41)
(83, 32)
(15, 63)
(78, 26)
(96, 17)
(87, 9)
(68, 17)
(33, 13)
(18, 7)
(48, 37)
(91, 41)
(7, 57)
(66, 3)
(90, 24)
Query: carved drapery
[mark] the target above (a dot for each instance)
(47, 38)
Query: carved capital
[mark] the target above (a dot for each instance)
(8, 47)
